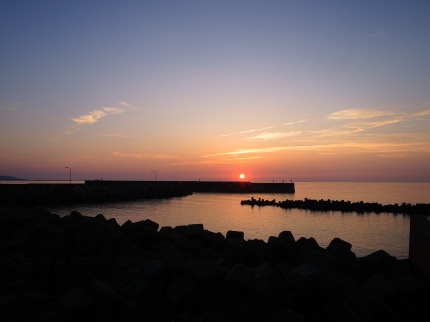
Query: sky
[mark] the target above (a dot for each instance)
(208, 90)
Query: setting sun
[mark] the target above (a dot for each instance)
(242, 176)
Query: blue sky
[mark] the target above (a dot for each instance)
(116, 88)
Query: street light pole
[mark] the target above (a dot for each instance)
(70, 174)
(155, 175)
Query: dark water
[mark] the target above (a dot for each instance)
(222, 212)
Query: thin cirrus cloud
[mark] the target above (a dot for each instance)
(263, 128)
(143, 155)
(274, 135)
(371, 119)
(114, 135)
(357, 114)
(249, 131)
(95, 115)
(351, 147)
(291, 123)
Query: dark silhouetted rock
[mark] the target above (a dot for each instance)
(231, 234)
(78, 268)
(287, 315)
(307, 245)
(195, 229)
(286, 237)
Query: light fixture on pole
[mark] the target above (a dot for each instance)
(70, 174)
(155, 175)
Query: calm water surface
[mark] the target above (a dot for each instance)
(221, 212)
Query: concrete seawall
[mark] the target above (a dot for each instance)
(208, 186)
(105, 191)
(419, 245)
(51, 194)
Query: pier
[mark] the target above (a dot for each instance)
(207, 186)
(110, 190)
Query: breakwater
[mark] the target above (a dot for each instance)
(75, 268)
(60, 194)
(345, 206)
(207, 186)
(110, 191)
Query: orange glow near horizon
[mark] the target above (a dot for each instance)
(242, 176)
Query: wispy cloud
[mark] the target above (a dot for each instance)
(378, 34)
(357, 114)
(248, 131)
(274, 135)
(291, 123)
(114, 135)
(217, 161)
(247, 151)
(381, 118)
(353, 147)
(263, 128)
(126, 105)
(95, 115)
(11, 107)
(143, 155)
(423, 112)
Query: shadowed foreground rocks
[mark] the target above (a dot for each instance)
(78, 268)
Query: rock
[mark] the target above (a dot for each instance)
(120, 243)
(182, 290)
(334, 285)
(379, 262)
(36, 296)
(182, 230)
(231, 234)
(376, 287)
(307, 245)
(78, 268)
(254, 307)
(166, 230)
(305, 278)
(86, 245)
(194, 229)
(211, 239)
(76, 301)
(235, 250)
(141, 231)
(286, 237)
(104, 292)
(100, 218)
(339, 244)
(153, 267)
(411, 285)
(243, 276)
(287, 315)
(255, 251)
(152, 224)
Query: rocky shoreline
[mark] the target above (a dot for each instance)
(342, 205)
(79, 268)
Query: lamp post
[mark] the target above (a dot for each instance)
(155, 175)
(70, 174)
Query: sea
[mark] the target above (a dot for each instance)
(221, 212)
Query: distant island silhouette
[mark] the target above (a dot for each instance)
(10, 178)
